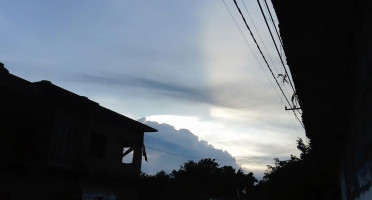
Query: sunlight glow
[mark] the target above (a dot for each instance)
(231, 114)
(194, 124)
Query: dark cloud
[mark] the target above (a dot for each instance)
(164, 87)
(169, 148)
(230, 95)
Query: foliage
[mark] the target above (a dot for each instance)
(285, 165)
(199, 180)
(297, 178)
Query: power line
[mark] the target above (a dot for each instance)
(259, 36)
(281, 59)
(272, 20)
(254, 55)
(241, 32)
(254, 39)
(276, 30)
(263, 56)
(276, 47)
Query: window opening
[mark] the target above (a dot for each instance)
(128, 153)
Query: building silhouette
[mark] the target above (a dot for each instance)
(55, 144)
(328, 48)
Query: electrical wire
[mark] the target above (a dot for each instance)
(259, 36)
(272, 20)
(263, 56)
(276, 47)
(258, 61)
(254, 55)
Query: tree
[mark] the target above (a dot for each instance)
(200, 180)
(297, 178)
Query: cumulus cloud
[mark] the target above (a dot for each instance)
(169, 148)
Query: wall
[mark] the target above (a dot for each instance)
(328, 45)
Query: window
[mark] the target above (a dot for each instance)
(98, 145)
(128, 153)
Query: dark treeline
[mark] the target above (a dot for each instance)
(199, 180)
(296, 178)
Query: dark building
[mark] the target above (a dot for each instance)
(328, 45)
(55, 144)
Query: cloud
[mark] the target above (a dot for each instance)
(225, 95)
(253, 148)
(174, 90)
(169, 148)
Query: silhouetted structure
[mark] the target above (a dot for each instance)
(329, 51)
(55, 144)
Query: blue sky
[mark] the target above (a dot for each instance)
(183, 63)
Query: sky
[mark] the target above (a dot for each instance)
(183, 63)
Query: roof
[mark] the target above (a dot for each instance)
(48, 92)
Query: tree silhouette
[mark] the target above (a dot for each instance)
(297, 178)
(199, 180)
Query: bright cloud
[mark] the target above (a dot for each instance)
(253, 148)
(169, 148)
